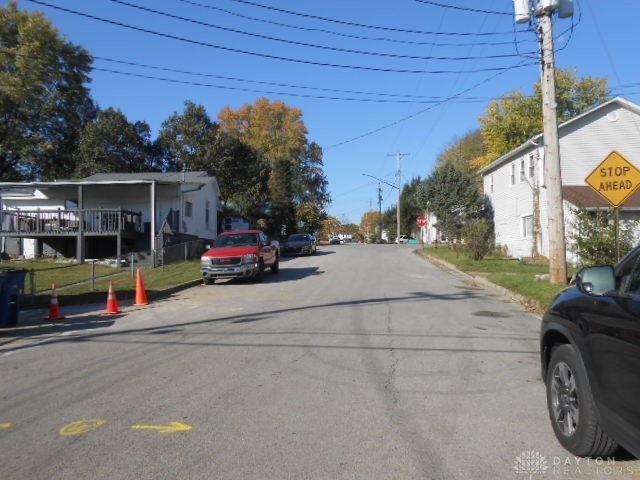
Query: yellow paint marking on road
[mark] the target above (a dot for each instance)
(171, 428)
(6, 425)
(81, 427)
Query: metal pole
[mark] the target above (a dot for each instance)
(617, 230)
(93, 275)
(557, 245)
(132, 265)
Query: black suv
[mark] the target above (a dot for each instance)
(590, 352)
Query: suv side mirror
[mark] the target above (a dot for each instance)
(596, 280)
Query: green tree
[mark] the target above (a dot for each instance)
(410, 208)
(514, 119)
(44, 102)
(282, 218)
(453, 197)
(112, 144)
(187, 139)
(242, 176)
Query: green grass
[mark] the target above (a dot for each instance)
(514, 275)
(74, 284)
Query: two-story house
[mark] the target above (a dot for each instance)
(515, 182)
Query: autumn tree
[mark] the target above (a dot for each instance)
(410, 208)
(370, 225)
(277, 132)
(512, 120)
(112, 144)
(461, 152)
(44, 102)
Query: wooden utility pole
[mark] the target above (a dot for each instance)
(398, 156)
(557, 244)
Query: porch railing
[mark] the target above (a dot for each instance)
(60, 222)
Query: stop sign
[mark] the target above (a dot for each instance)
(422, 221)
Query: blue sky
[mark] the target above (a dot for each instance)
(371, 76)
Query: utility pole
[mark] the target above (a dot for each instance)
(398, 155)
(557, 244)
(544, 10)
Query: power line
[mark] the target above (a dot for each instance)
(347, 35)
(420, 112)
(311, 45)
(360, 25)
(463, 9)
(257, 54)
(416, 98)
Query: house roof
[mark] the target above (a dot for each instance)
(586, 197)
(122, 178)
(166, 177)
(537, 140)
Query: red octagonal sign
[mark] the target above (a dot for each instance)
(422, 221)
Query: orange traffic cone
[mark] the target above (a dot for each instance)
(54, 307)
(141, 293)
(112, 301)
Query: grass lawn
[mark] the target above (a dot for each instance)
(74, 283)
(511, 274)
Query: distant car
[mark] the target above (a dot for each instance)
(300, 244)
(590, 356)
(335, 241)
(380, 241)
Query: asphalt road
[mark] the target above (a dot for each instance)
(361, 362)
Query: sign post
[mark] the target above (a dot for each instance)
(422, 223)
(615, 179)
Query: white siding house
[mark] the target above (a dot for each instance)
(107, 215)
(515, 182)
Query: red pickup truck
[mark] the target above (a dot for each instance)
(241, 253)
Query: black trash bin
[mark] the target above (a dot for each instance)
(11, 287)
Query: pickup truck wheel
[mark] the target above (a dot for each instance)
(275, 268)
(260, 275)
(571, 407)
(208, 281)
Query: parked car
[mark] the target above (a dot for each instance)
(299, 244)
(335, 241)
(590, 355)
(242, 253)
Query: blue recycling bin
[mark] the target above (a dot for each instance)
(11, 288)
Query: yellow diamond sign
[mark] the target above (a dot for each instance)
(616, 178)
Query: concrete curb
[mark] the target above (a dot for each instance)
(532, 305)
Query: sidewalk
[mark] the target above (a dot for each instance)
(34, 327)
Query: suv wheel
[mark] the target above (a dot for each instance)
(260, 275)
(571, 407)
(275, 268)
(208, 281)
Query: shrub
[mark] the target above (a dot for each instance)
(479, 238)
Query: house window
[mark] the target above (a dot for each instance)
(522, 170)
(513, 174)
(532, 166)
(527, 226)
(206, 214)
(491, 184)
(70, 205)
(188, 209)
